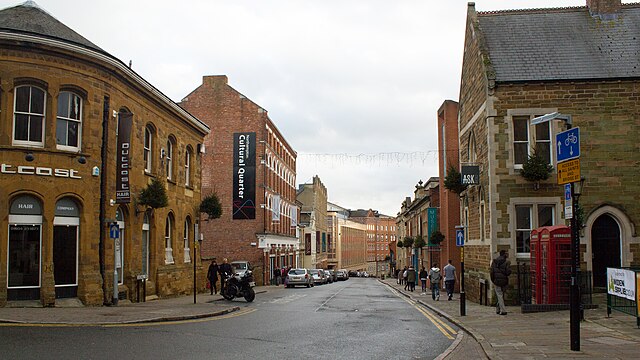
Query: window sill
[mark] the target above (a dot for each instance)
(171, 181)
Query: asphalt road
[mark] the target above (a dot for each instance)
(353, 319)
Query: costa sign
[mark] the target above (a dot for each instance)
(39, 170)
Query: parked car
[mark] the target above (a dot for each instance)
(318, 276)
(332, 275)
(299, 277)
(352, 273)
(240, 267)
(328, 276)
(342, 275)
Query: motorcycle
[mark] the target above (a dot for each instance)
(239, 286)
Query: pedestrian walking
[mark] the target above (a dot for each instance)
(500, 271)
(398, 276)
(225, 270)
(405, 273)
(449, 279)
(434, 278)
(423, 279)
(212, 276)
(411, 278)
(276, 276)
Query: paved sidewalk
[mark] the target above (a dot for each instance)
(534, 335)
(171, 309)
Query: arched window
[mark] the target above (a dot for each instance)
(169, 159)
(148, 154)
(69, 121)
(187, 166)
(471, 155)
(28, 116)
(168, 249)
(187, 252)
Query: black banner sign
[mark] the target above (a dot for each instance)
(307, 244)
(123, 193)
(470, 175)
(244, 176)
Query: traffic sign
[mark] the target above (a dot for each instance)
(114, 231)
(459, 237)
(568, 145)
(568, 202)
(569, 171)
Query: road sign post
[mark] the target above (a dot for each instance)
(114, 233)
(460, 243)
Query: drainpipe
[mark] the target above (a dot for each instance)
(103, 194)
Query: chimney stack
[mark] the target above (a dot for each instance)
(604, 9)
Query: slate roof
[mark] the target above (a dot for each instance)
(562, 44)
(28, 18)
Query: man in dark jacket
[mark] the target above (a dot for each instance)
(225, 271)
(212, 276)
(500, 271)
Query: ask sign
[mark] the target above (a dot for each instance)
(470, 175)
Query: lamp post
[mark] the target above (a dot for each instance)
(576, 190)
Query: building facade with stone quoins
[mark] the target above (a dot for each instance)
(250, 165)
(520, 64)
(65, 175)
(419, 217)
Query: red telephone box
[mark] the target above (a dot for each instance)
(551, 264)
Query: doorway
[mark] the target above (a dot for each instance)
(605, 247)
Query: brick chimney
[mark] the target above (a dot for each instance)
(604, 9)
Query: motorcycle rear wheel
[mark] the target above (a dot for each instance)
(250, 295)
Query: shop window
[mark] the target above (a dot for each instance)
(24, 252)
(66, 233)
(28, 116)
(120, 246)
(69, 121)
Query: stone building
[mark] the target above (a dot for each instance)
(381, 234)
(449, 200)
(81, 134)
(418, 217)
(313, 215)
(252, 168)
(351, 244)
(520, 64)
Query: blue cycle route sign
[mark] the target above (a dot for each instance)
(114, 231)
(568, 145)
(459, 237)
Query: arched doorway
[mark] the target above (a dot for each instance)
(605, 245)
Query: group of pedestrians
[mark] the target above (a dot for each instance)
(500, 271)
(280, 276)
(224, 270)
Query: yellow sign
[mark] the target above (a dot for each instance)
(462, 253)
(569, 171)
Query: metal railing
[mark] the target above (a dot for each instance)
(557, 293)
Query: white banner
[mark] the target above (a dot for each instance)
(621, 283)
(294, 216)
(275, 208)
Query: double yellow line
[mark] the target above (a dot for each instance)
(445, 329)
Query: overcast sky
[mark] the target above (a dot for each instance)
(353, 86)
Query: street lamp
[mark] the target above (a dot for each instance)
(576, 191)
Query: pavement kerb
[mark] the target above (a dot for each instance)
(139, 321)
(484, 344)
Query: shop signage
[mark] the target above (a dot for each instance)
(123, 193)
(25, 205)
(244, 176)
(470, 175)
(432, 222)
(39, 170)
(275, 208)
(621, 283)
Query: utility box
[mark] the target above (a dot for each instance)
(551, 264)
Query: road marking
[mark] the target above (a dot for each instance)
(329, 299)
(287, 299)
(445, 329)
(159, 323)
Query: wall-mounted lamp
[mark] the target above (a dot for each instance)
(82, 160)
(29, 157)
(163, 153)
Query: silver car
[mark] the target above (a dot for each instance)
(318, 276)
(299, 277)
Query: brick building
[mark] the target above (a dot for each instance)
(252, 168)
(350, 247)
(449, 213)
(381, 233)
(74, 116)
(313, 216)
(418, 217)
(519, 64)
